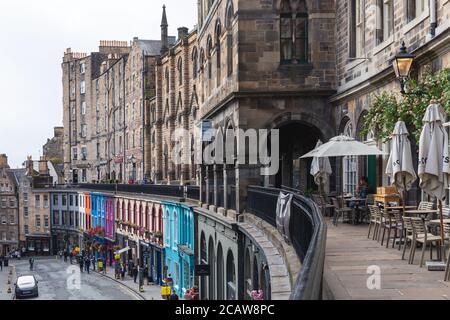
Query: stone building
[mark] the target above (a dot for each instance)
(9, 219)
(105, 95)
(53, 149)
(34, 207)
(369, 34)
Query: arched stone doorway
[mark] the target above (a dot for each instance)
(203, 260)
(220, 273)
(211, 262)
(296, 139)
(231, 277)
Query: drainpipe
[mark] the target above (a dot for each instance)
(433, 18)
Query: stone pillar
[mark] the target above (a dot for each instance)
(225, 187)
(215, 184)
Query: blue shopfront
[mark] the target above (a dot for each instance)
(152, 255)
(179, 245)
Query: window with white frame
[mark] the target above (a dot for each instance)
(414, 8)
(385, 20)
(350, 165)
(83, 108)
(357, 25)
(83, 87)
(82, 68)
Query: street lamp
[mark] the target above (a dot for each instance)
(402, 64)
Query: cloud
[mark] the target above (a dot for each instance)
(33, 37)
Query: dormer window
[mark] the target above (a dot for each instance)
(293, 32)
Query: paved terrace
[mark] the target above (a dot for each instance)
(348, 255)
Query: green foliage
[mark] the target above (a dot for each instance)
(387, 109)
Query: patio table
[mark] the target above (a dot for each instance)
(401, 208)
(356, 214)
(421, 213)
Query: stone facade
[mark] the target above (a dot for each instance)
(9, 208)
(34, 209)
(105, 95)
(53, 149)
(362, 77)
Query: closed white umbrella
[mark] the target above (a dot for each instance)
(400, 164)
(434, 164)
(320, 169)
(343, 146)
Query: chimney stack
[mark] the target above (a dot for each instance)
(182, 33)
(4, 161)
(43, 167)
(29, 166)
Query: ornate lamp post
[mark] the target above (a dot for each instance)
(402, 64)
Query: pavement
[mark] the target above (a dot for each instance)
(354, 264)
(4, 277)
(55, 279)
(151, 291)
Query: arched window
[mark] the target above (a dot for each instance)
(129, 212)
(228, 25)
(167, 77)
(220, 273)
(210, 48)
(350, 164)
(203, 260)
(202, 60)
(293, 31)
(231, 277)
(135, 215)
(160, 222)
(167, 228)
(154, 226)
(142, 222)
(194, 63)
(218, 32)
(118, 209)
(180, 71)
(175, 228)
(211, 262)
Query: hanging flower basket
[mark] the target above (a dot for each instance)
(158, 235)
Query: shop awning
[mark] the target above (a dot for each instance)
(123, 250)
(186, 250)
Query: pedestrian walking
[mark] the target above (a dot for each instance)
(60, 254)
(122, 270)
(146, 273)
(31, 261)
(141, 278)
(65, 255)
(81, 264)
(135, 273)
(71, 257)
(1, 263)
(88, 264)
(94, 262)
(174, 296)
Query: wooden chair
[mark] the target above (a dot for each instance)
(421, 235)
(424, 205)
(447, 269)
(375, 220)
(340, 210)
(321, 203)
(408, 234)
(388, 223)
(400, 228)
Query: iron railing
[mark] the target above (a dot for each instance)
(308, 236)
(154, 189)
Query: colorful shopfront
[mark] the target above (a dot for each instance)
(102, 231)
(179, 245)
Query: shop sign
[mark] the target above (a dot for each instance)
(202, 270)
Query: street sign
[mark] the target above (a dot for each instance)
(203, 270)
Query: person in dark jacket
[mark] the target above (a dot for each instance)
(146, 273)
(135, 273)
(174, 296)
(1, 263)
(88, 264)
(81, 264)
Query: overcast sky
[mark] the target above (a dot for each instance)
(33, 37)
